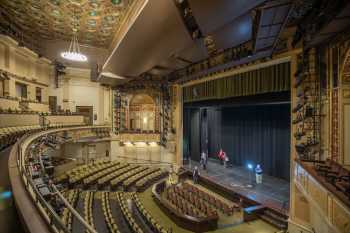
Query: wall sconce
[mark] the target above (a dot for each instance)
(145, 120)
(153, 144)
(128, 143)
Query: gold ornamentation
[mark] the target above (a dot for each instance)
(346, 93)
(98, 20)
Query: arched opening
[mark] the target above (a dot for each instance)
(142, 113)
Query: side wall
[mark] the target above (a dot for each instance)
(76, 89)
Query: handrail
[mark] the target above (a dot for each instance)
(301, 226)
(36, 195)
(74, 212)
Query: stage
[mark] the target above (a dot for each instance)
(273, 192)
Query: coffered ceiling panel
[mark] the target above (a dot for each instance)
(95, 20)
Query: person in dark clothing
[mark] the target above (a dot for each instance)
(195, 175)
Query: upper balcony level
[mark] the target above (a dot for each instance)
(322, 195)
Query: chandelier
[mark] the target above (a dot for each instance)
(73, 52)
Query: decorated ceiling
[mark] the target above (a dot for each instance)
(95, 21)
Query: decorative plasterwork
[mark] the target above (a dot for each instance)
(96, 20)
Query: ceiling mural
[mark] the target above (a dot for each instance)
(95, 21)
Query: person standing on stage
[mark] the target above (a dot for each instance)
(195, 175)
(226, 160)
(258, 174)
(221, 155)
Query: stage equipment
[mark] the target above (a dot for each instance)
(250, 170)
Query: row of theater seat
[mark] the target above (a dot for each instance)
(116, 181)
(152, 222)
(133, 179)
(104, 172)
(127, 214)
(335, 174)
(106, 208)
(111, 168)
(101, 132)
(149, 179)
(67, 217)
(75, 171)
(90, 170)
(195, 208)
(88, 214)
(194, 193)
(123, 169)
(9, 135)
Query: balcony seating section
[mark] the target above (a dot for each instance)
(189, 204)
(107, 212)
(132, 180)
(67, 216)
(146, 181)
(9, 135)
(91, 179)
(123, 168)
(116, 181)
(88, 214)
(335, 174)
(127, 214)
(152, 222)
(102, 132)
(192, 192)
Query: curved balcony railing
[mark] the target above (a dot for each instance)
(19, 161)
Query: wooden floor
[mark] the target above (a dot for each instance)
(273, 192)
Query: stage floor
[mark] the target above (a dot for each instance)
(273, 192)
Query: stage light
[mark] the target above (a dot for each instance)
(250, 169)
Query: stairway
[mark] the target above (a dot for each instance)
(274, 218)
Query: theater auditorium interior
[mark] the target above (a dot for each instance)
(174, 116)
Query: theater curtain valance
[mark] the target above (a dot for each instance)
(275, 78)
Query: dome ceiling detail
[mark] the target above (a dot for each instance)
(96, 20)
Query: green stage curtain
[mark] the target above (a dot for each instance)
(274, 78)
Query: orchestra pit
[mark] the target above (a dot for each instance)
(174, 116)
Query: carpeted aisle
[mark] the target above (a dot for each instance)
(99, 218)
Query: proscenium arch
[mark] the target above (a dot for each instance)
(142, 111)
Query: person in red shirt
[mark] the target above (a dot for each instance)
(222, 155)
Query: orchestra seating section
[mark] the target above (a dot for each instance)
(103, 174)
(108, 196)
(195, 202)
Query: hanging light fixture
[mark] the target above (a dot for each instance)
(73, 52)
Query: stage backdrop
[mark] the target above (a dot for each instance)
(248, 134)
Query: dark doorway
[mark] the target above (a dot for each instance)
(87, 112)
(53, 103)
